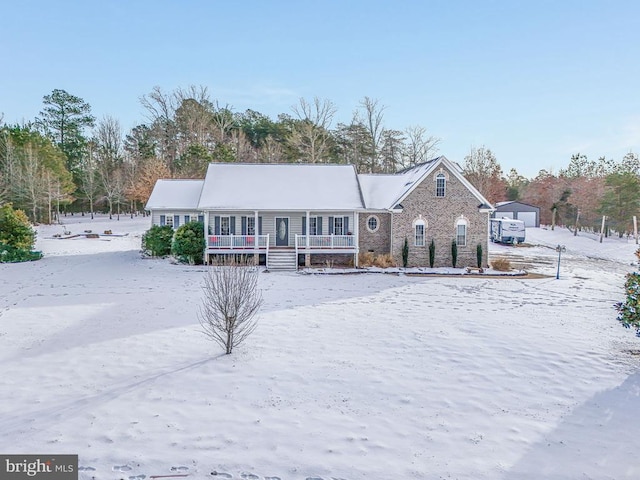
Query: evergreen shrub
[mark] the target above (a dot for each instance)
(157, 241)
(454, 253)
(432, 253)
(188, 243)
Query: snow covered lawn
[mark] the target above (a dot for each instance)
(366, 376)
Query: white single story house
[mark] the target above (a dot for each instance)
(292, 214)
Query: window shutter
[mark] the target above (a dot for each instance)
(259, 225)
(304, 225)
(346, 226)
(187, 218)
(176, 221)
(243, 225)
(319, 225)
(216, 222)
(232, 225)
(163, 220)
(331, 225)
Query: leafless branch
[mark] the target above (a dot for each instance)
(230, 304)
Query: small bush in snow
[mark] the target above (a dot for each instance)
(17, 237)
(501, 265)
(9, 254)
(231, 302)
(629, 310)
(188, 243)
(157, 241)
(384, 261)
(366, 259)
(15, 229)
(370, 259)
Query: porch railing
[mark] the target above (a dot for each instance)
(237, 242)
(325, 241)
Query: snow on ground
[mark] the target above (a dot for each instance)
(347, 376)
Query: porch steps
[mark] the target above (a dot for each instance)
(282, 260)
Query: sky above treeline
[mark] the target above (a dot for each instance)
(533, 81)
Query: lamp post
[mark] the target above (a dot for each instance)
(559, 249)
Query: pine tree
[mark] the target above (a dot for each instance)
(64, 119)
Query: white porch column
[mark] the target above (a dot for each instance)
(206, 236)
(307, 255)
(256, 239)
(356, 239)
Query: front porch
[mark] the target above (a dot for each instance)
(258, 245)
(295, 235)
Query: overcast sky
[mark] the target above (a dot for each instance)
(534, 81)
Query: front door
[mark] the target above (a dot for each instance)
(282, 232)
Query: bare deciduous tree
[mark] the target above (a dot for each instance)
(31, 182)
(310, 134)
(420, 146)
(374, 123)
(89, 179)
(483, 170)
(271, 151)
(231, 302)
(161, 108)
(110, 157)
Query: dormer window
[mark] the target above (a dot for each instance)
(441, 185)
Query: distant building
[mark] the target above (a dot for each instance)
(529, 214)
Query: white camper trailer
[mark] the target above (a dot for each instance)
(506, 230)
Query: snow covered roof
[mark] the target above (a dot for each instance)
(280, 187)
(175, 194)
(386, 191)
(380, 191)
(242, 186)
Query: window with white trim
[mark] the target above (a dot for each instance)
(251, 225)
(225, 226)
(313, 225)
(441, 185)
(420, 228)
(338, 226)
(461, 232)
(373, 223)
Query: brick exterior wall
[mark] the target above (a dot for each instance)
(380, 240)
(440, 215)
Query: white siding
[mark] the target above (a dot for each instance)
(155, 215)
(295, 222)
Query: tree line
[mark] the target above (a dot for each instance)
(579, 196)
(66, 159)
